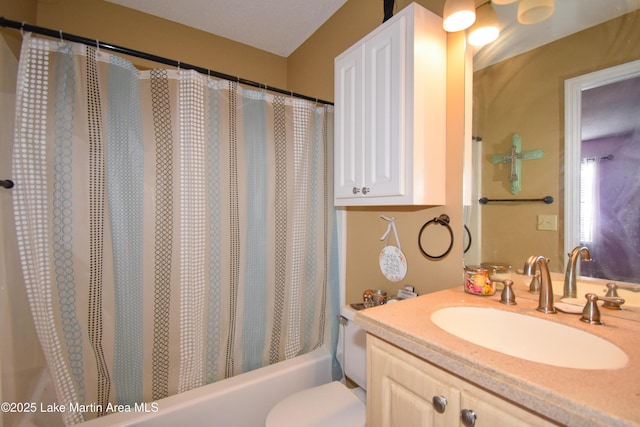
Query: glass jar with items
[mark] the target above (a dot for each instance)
(477, 281)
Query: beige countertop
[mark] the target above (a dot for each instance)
(569, 396)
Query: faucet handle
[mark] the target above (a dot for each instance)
(534, 286)
(591, 313)
(507, 296)
(612, 292)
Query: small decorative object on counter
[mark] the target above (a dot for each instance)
(374, 298)
(367, 298)
(407, 292)
(477, 282)
(379, 297)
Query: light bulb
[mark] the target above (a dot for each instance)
(485, 30)
(534, 11)
(458, 15)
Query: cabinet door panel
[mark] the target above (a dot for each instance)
(349, 115)
(390, 104)
(384, 111)
(400, 390)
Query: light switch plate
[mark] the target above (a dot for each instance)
(548, 222)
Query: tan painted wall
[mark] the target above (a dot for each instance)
(311, 71)
(108, 22)
(23, 11)
(310, 67)
(525, 94)
(365, 226)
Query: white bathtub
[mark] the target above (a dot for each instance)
(241, 401)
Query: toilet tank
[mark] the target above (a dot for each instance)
(355, 349)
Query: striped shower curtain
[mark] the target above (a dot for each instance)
(173, 229)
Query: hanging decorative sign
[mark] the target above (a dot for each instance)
(393, 263)
(515, 158)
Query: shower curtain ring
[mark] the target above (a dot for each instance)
(22, 29)
(61, 38)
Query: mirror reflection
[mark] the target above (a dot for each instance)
(523, 93)
(602, 160)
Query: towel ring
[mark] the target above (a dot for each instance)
(469, 235)
(444, 221)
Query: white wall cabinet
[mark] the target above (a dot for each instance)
(404, 390)
(390, 100)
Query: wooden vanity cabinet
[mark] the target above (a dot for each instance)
(404, 390)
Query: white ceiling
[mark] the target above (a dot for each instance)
(277, 26)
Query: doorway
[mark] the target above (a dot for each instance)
(602, 160)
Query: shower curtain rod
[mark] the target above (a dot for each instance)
(22, 26)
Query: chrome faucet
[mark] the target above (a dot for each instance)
(545, 301)
(570, 287)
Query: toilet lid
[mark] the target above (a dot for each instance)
(330, 404)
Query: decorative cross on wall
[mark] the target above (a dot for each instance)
(515, 158)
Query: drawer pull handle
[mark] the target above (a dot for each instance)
(439, 404)
(468, 417)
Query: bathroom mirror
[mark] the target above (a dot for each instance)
(523, 92)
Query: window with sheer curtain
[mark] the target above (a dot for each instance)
(588, 199)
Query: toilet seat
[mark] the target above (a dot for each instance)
(331, 404)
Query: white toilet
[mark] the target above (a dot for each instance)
(331, 404)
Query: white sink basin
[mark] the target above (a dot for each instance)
(530, 338)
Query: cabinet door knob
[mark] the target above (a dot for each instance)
(365, 190)
(356, 190)
(468, 417)
(439, 404)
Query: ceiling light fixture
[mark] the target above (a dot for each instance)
(483, 26)
(458, 15)
(486, 29)
(534, 11)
